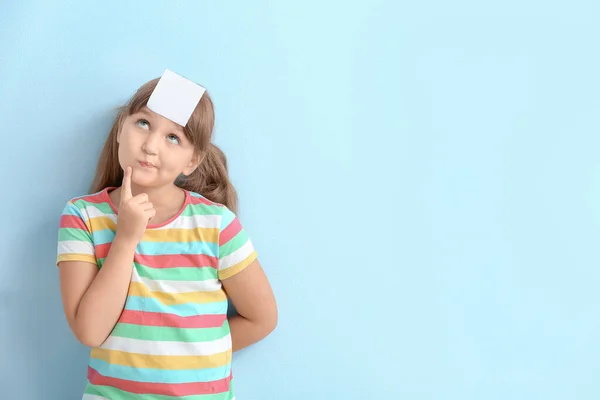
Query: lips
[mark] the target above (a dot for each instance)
(147, 164)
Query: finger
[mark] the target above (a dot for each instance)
(126, 187)
(147, 206)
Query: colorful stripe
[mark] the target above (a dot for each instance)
(150, 304)
(176, 273)
(166, 333)
(162, 319)
(166, 389)
(112, 393)
(159, 375)
(167, 348)
(161, 362)
(172, 339)
(139, 289)
(173, 286)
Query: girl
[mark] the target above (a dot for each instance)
(147, 268)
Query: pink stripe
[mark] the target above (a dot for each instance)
(165, 389)
(200, 200)
(230, 232)
(146, 318)
(177, 260)
(166, 260)
(93, 198)
(102, 250)
(71, 221)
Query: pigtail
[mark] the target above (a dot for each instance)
(211, 179)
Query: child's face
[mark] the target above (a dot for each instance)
(155, 147)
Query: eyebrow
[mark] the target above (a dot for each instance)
(142, 111)
(178, 129)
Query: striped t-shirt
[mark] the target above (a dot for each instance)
(172, 339)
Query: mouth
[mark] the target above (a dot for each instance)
(146, 164)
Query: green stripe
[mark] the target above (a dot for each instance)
(164, 333)
(177, 274)
(201, 209)
(234, 244)
(74, 234)
(117, 394)
(80, 204)
(104, 207)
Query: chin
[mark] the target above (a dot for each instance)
(139, 179)
(149, 183)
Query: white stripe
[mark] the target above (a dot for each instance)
(87, 396)
(209, 285)
(158, 348)
(75, 246)
(95, 212)
(237, 256)
(183, 222)
(195, 221)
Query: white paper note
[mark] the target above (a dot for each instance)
(175, 97)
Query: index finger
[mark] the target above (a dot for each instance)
(126, 187)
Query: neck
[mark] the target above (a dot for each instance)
(162, 198)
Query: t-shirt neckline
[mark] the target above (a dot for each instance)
(186, 201)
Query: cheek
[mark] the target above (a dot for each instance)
(173, 161)
(122, 154)
(127, 140)
(125, 146)
(177, 161)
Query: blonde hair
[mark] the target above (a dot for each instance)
(210, 179)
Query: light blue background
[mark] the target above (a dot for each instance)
(422, 182)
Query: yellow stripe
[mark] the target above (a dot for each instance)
(161, 235)
(99, 223)
(182, 235)
(170, 299)
(161, 362)
(77, 257)
(231, 271)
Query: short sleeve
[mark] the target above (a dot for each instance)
(74, 238)
(236, 251)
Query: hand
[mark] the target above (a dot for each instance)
(134, 212)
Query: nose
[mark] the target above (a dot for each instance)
(150, 145)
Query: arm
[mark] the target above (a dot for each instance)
(93, 300)
(253, 299)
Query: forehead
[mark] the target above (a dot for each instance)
(157, 118)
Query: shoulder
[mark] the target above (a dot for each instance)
(93, 198)
(97, 202)
(197, 201)
(200, 205)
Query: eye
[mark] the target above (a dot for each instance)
(142, 123)
(173, 138)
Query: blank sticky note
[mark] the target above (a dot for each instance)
(175, 97)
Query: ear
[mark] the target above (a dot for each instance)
(192, 165)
